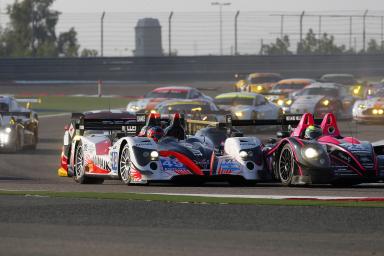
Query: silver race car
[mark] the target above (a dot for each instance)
(322, 98)
(247, 105)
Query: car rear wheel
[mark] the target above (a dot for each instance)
(286, 165)
(79, 168)
(125, 166)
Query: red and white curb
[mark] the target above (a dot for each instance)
(278, 197)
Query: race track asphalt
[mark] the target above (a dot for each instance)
(58, 226)
(47, 226)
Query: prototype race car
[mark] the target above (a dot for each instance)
(19, 126)
(322, 98)
(247, 105)
(327, 158)
(152, 98)
(121, 154)
(72, 133)
(370, 110)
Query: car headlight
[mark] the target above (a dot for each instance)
(356, 90)
(380, 111)
(154, 154)
(280, 102)
(243, 154)
(8, 130)
(375, 111)
(288, 102)
(311, 153)
(4, 138)
(239, 114)
(362, 106)
(259, 88)
(325, 102)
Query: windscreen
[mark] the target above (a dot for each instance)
(234, 101)
(267, 79)
(4, 107)
(168, 94)
(320, 91)
(346, 80)
(292, 86)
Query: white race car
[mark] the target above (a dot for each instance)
(158, 95)
(322, 98)
(247, 105)
(370, 110)
(119, 154)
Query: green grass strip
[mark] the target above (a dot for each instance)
(195, 199)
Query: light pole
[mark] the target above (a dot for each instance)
(221, 4)
(102, 34)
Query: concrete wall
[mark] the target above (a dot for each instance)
(186, 68)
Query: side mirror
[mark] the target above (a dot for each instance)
(66, 127)
(282, 134)
(271, 141)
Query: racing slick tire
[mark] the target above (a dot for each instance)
(286, 165)
(125, 165)
(35, 139)
(17, 146)
(79, 166)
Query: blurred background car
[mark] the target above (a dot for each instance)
(280, 93)
(198, 109)
(356, 88)
(260, 82)
(19, 126)
(370, 109)
(322, 98)
(247, 105)
(152, 98)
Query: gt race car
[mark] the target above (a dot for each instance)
(322, 98)
(355, 88)
(200, 109)
(158, 95)
(121, 154)
(247, 105)
(370, 110)
(281, 92)
(18, 125)
(260, 82)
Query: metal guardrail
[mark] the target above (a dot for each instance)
(201, 68)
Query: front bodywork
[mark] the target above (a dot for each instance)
(369, 110)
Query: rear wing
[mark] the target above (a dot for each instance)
(127, 126)
(16, 114)
(28, 102)
(284, 121)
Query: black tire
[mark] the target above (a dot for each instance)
(16, 147)
(35, 139)
(125, 165)
(79, 168)
(286, 165)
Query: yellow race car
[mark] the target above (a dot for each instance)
(259, 82)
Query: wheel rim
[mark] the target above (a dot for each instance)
(79, 165)
(285, 164)
(125, 165)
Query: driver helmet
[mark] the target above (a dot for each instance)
(312, 132)
(155, 133)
